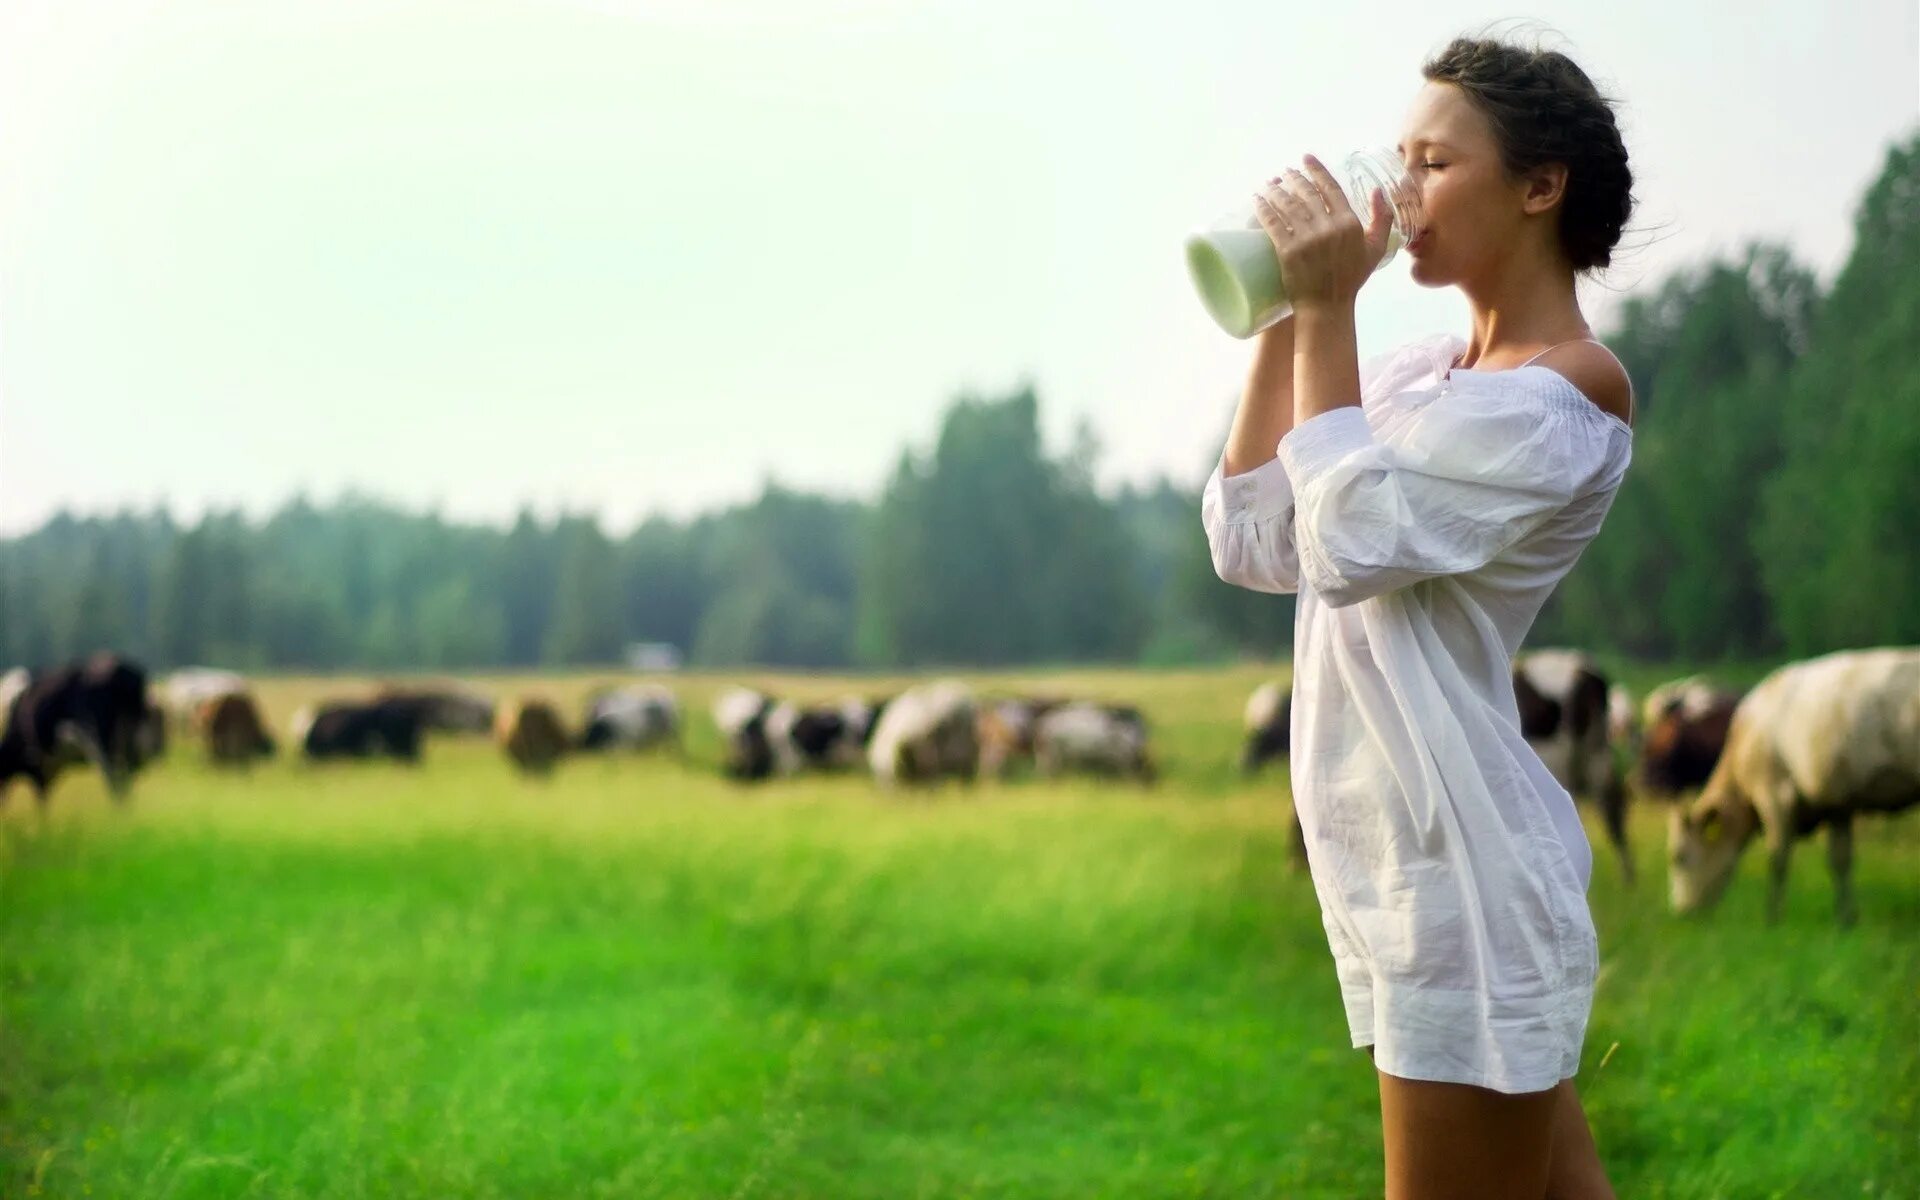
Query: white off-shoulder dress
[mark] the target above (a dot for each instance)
(1423, 531)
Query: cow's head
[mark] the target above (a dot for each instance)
(1704, 842)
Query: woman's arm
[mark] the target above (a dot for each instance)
(1247, 504)
(1266, 405)
(1326, 361)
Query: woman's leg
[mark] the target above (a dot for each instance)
(1576, 1173)
(1455, 1141)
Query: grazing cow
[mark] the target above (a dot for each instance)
(638, 717)
(822, 737)
(1268, 720)
(741, 715)
(532, 735)
(1563, 701)
(1005, 730)
(361, 729)
(764, 736)
(925, 733)
(453, 708)
(95, 711)
(234, 733)
(185, 693)
(1683, 732)
(1623, 720)
(1098, 739)
(1814, 743)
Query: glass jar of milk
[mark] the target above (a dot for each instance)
(1233, 263)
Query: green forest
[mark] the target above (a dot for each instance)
(1773, 509)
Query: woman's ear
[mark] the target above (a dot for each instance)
(1546, 186)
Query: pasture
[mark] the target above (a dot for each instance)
(638, 979)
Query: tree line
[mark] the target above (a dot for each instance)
(1773, 508)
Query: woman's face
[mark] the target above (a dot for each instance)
(1473, 215)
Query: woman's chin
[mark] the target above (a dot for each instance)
(1422, 271)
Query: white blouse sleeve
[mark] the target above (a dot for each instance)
(1470, 475)
(1249, 522)
(1249, 517)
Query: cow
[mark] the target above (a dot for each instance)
(234, 734)
(1268, 719)
(740, 713)
(1563, 703)
(1004, 729)
(184, 693)
(452, 708)
(532, 735)
(393, 728)
(95, 711)
(764, 736)
(1814, 743)
(827, 737)
(1623, 720)
(926, 733)
(1683, 731)
(1097, 739)
(637, 717)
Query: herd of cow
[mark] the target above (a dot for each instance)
(102, 712)
(1811, 746)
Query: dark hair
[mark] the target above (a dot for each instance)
(1544, 109)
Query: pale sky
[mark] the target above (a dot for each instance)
(641, 255)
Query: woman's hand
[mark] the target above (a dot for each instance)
(1325, 253)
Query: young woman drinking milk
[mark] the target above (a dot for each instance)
(1424, 504)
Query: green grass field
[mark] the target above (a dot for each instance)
(638, 980)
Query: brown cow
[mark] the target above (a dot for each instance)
(531, 733)
(235, 735)
(1683, 733)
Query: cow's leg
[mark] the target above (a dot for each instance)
(1840, 864)
(1779, 857)
(1613, 808)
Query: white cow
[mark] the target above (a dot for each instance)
(634, 717)
(1094, 738)
(926, 732)
(1812, 744)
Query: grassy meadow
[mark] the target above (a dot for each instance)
(636, 979)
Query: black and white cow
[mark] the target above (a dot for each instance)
(1268, 719)
(634, 717)
(740, 713)
(765, 736)
(1563, 698)
(95, 712)
(391, 727)
(1097, 739)
(445, 708)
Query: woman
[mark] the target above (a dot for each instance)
(1423, 505)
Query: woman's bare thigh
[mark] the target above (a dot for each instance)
(1455, 1141)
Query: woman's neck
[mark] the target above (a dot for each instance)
(1526, 306)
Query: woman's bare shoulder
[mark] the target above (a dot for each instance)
(1592, 368)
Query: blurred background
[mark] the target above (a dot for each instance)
(428, 359)
(508, 334)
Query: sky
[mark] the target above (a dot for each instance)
(640, 256)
